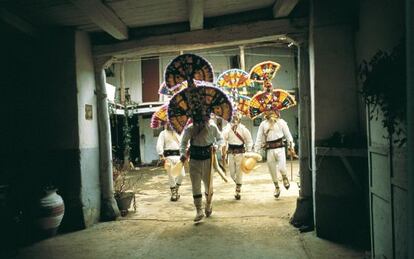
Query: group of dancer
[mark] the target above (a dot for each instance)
(190, 136)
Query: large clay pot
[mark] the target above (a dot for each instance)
(49, 213)
(124, 200)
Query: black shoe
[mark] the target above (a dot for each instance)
(277, 192)
(199, 215)
(286, 182)
(238, 190)
(208, 212)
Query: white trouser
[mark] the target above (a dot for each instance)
(276, 161)
(200, 171)
(173, 181)
(235, 167)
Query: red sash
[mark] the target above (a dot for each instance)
(234, 129)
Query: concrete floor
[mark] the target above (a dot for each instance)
(257, 226)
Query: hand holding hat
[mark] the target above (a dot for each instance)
(249, 161)
(177, 168)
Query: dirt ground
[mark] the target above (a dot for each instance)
(257, 226)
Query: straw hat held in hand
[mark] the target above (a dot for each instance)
(249, 162)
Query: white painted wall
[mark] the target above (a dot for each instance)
(88, 130)
(147, 141)
(132, 79)
(85, 80)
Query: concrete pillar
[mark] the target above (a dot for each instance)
(88, 130)
(304, 122)
(339, 205)
(242, 58)
(303, 215)
(410, 122)
(109, 208)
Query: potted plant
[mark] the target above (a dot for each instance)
(124, 180)
(124, 185)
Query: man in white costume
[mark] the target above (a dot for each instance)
(237, 140)
(271, 135)
(202, 136)
(168, 148)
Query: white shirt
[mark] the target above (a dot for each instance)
(168, 140)
(271, 131)
(230, 137)
(209, 135)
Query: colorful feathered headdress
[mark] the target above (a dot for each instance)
(159, 117)
(269, 99)
(237, 84)
(198, 100)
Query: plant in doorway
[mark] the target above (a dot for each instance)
(124, 178)
(124, 186)
(383, 88)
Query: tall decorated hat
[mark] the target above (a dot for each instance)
(264, 71)
(197, 103)
(190, 68)
(269, 99)
(159, 117)
(198, 100)
(234, 81)
(237, 84)
(165, 90)
(275, 100)
(243, 105)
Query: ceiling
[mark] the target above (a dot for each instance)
(119, 17)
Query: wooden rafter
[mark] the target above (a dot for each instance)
(18, 23)
(212, 38)
(196, 14)
(282, 8)
(103, 17)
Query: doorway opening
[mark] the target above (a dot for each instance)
(152, 192)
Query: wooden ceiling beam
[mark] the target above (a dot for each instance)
(282, 8)
(196, 14)
(202, 39)
(18, 23)
(103, 17)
